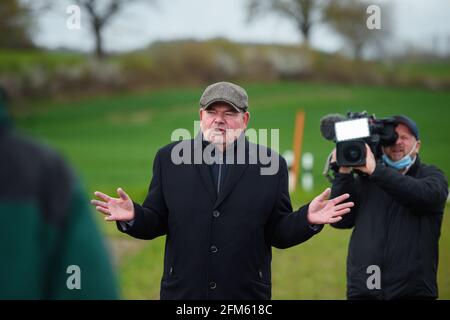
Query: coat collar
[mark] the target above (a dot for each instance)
(235, 170)
(412, 171)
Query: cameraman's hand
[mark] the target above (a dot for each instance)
(369, 168)
(345, 170)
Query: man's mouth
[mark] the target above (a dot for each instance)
(397, 152)
(219, 130)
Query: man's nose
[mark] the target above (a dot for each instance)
(219, 118)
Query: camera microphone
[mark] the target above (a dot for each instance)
(327, 125)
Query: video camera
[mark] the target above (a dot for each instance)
(351, 133)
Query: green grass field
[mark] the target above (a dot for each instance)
(111, 141)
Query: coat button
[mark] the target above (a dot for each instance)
(260, 274)
(212, 285)
(216, 214)
(213, 249)
(171, 271)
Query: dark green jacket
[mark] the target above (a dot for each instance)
(46, 227)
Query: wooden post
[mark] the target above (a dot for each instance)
(297, 147)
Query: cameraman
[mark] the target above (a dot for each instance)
(396, 221)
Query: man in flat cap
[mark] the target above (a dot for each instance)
(222, 213)
(399, 204)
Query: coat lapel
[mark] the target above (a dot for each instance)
(235, 172)
(203, 169)
(233, 176)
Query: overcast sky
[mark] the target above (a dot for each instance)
(422, 23)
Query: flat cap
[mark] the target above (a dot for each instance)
(226, 92)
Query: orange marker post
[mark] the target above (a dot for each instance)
(297, 147)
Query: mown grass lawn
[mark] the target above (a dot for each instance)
(111, 142)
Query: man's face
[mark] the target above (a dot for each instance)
(222, 124)
(404, 144)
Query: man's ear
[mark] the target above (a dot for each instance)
(246, 118)
(418, 146)
(200, 111)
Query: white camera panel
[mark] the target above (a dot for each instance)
(352, 129)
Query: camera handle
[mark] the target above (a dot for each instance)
(329, 166)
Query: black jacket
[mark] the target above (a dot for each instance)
(46, 227)
(218, 246)
(397, 220)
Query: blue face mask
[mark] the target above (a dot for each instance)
(401, 164)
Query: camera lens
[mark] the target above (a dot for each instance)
(353, 153)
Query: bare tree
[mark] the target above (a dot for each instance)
(100, 13)
(15, 25)
(348, 18)
(302, 12)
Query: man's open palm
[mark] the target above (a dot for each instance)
(322, 211)
(115, 209)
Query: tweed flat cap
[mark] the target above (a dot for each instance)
(227, 92)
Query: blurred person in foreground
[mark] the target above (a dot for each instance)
(222, 213)
(50, 246)
(396, 221)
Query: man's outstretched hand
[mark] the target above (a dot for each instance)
(115, 209)
(322, 211)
